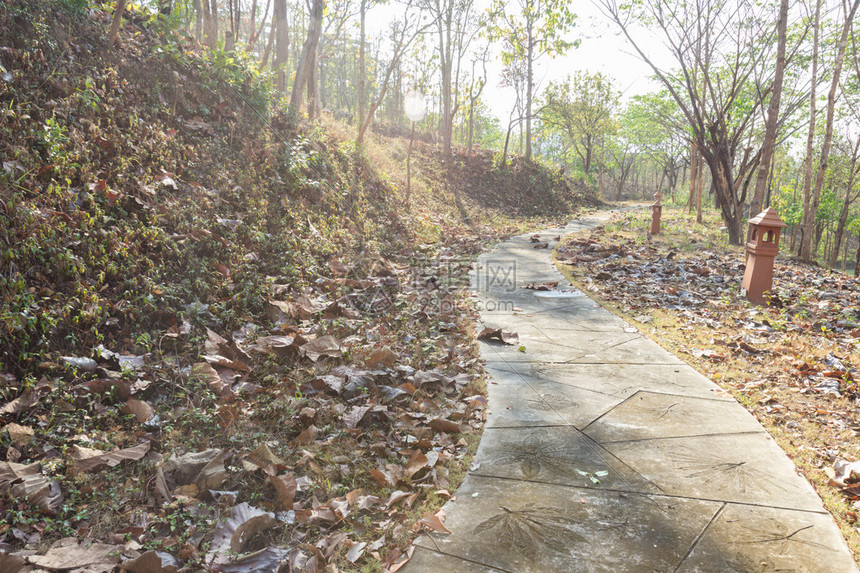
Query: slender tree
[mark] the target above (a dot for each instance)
(769, 143)
(532, 29)
(809, 214)
(306, 69)
(723, 49)
(403, 33)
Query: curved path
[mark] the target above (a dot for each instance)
(604, 452)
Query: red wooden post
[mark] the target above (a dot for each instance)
(761, 251)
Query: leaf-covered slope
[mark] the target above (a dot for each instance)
(205, 312)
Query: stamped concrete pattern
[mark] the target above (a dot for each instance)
(604, 452)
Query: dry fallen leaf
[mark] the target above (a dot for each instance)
(434, 521)
(70, 554)
(140, 410)
(285, 486)
(262, 458)
(27, 482)
(497, 334)
(382, 357)
(233, 534)
(442, 425)
(205, 372)
(323, 346)
(307, 437)
(20, 435)
(269, 559)
(204, 469)
(88, 460)
(151, 562)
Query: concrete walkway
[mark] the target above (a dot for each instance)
(604, 452)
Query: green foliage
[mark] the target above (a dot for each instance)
(581, 110)
(530, 28)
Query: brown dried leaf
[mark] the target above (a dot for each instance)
(232, 535)
(11, 563)
(307, 437)
(27, 482)
(269, 559)
(69, 554)
(323, 384)
(20, 435)
(262, 458)
(497, 334)
(382, 478)
(184, 469)
(207, 373)
(88, 460)
(434, 521)
(417, 462)
(151, 562)
(353, 418)
(140, 410)
(382, 357)
(326, 345)
(547, 285)
(286, 487)
(443, 425)
(395, 497)
(213, 474)
(219, 360)
(280, 346)
(27, 399)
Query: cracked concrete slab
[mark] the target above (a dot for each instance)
(657, 415)
(744, 538)
(581, 347)
(743, 468)
(526, 527)
(559, 455)
(620, 380)
(518, 400)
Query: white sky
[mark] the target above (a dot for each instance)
(601, 49)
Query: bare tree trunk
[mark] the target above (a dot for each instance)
(270, 42)
(215, 27)
(281, 35)
(600, 180)
(857, 258)
(198, 22)
(255, 31)
(846, 204)
(207, 24)
(806, 252)
(313, 85)
(808, 219)
(116, 23)
(769, 143)
(307, 59)
(252, 28)
(362, 61)
(530, 47)
(507, 142)
(694, 163)
(700, 184)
